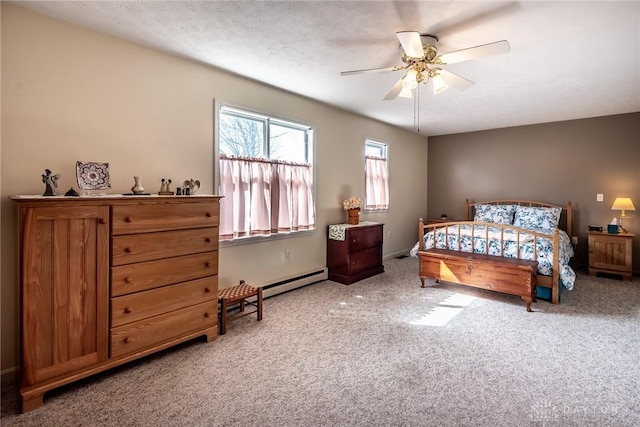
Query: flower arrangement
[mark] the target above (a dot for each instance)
(352, 203)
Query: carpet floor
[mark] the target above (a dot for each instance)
(382, 352)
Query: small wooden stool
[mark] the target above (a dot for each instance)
(238, 295)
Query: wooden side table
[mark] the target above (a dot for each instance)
(354, 252)
(610, 253)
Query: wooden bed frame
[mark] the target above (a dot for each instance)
(507, 275)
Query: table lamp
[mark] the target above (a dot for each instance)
(623, 204)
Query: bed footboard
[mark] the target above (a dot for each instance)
(512, 275)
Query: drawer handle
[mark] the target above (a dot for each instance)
(207, 264)
(207, 239)
(208, 215)
(127, 219)
(127, 280)
(102, 221)
(206, 314)
(127, 250)
(207, 290)
(127, 310)
(127, 340)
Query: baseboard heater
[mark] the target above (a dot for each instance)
(294, 282)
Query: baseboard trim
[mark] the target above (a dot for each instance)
(397, 254)
(292, 283)
(8, 375)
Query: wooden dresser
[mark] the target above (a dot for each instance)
(106, 280)
(354, 252)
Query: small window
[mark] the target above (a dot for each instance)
(376, 175)
(265, 175)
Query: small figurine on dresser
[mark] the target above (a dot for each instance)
(165, 187)
(192, 185)
(51, 183)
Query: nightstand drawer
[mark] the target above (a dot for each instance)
(364, 260)
(363, 238)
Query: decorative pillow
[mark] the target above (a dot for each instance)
(497, 214)
(537, 218)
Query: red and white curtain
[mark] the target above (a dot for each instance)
(264, 197)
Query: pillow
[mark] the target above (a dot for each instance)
(497, 214)
(537, 218)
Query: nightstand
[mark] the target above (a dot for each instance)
(354, 252)
(610, 253)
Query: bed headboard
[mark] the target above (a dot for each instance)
(566, 210)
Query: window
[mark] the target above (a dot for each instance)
(376, 175)
(265, 175)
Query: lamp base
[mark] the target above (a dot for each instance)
(622, 229)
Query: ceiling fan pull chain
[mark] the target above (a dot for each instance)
(416, 110)
(415, 99)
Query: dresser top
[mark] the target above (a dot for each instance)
(337, 231)
(25, 201)
(34, 197)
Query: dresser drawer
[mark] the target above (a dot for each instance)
(126, 279)
(364, 237)
(155, 330)
(128, 219)
(130, 248)
(140, 305)
(364, 260)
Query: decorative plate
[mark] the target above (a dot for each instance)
(93, 176)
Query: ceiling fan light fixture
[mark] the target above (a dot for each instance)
(405, 93)
(439, 85)
(410, 81)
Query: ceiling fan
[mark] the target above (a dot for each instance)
(423, 63)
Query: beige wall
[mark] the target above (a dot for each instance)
(552, 162)
(71, 94)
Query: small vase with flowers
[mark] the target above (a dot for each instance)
(352, 206)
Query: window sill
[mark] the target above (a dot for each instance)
(261, 238)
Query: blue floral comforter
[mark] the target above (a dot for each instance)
(509, 243)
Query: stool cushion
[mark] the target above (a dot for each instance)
(236, 293)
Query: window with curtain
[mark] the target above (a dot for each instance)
(376, 175)
(265, 175)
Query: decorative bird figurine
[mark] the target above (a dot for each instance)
(51, 183)
(192, 185)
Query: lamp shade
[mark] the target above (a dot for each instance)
(623, 204)
(439, 84)
(410, 81)
(405, 93)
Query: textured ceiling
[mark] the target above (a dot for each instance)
(568, 60)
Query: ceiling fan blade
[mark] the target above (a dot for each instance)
(372, 70)
(455, 80)
(394, 92)
(411, 43)
(476, 52)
